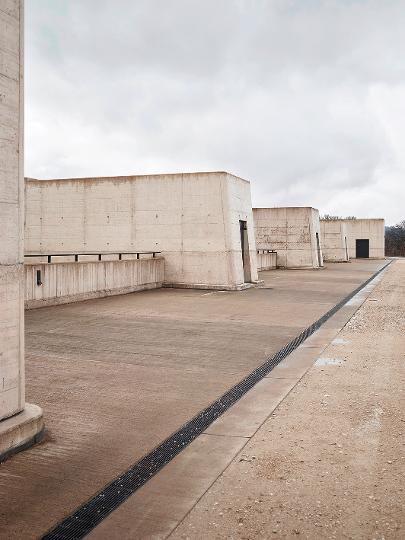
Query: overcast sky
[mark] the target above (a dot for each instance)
(304, 98)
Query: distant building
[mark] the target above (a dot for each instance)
(293, 232)
(334, 239)
(366, 238)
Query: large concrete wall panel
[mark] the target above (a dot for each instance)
(239, 209)
(293, 232)
(335, 242)
(193, 219)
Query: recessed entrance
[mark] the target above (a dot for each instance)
(362, 248)
(318, 250)
(244, 244)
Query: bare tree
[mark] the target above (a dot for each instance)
(330, 217)
(395, 240)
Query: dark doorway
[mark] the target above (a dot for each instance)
(318, 250)
(362, 249)
(244, 244)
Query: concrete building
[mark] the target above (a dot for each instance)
(366, 238)
(202, 223)
(334, 240)
(20, 423)
(293, 232)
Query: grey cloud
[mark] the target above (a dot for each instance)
(299, 97)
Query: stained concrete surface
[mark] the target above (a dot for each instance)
(329, 462)
(117, 375)
(147, 514)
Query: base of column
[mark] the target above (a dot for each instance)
(21, 431)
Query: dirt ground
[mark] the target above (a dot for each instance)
(330, 461)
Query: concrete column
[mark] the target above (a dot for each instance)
(20, 423)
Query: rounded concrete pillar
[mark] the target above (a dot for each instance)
(20, 424)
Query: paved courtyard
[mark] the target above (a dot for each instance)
(115, 376)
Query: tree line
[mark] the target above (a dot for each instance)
(395, 240)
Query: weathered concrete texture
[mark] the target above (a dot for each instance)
(372, 230)
(20, 423)
(21, 430)
(157, 509)
(66, 282)
(334, 240)
(329, 462)
(117, 375)
(293, 232)
(193, 219)
(12, 397)
(266, 260)
(11, 210)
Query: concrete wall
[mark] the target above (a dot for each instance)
(12, 399)
(334, 240)
(74, 281)
(292, 232)
(371, 229)
(266, 260)
(193, 219)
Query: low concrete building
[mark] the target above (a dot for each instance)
(334, 240)
(201, 223)
(20, 423)
(293, 232)
(366, 238)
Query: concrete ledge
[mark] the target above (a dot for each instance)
(300, 267)
(370, 258)
(204, 286)
(335, 260)
(21, 431)
(34, 304)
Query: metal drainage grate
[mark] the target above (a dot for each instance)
(88, 516)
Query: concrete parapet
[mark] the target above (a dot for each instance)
(266, 260)
(65, 282)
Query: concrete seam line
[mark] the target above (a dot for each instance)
(83, 520)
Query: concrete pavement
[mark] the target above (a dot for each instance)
(330, 461)
(115, 376)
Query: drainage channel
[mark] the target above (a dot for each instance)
(88, 516)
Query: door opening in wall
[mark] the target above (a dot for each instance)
(362, 248)
(244, 244)
(347, 252)
(318, 250)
